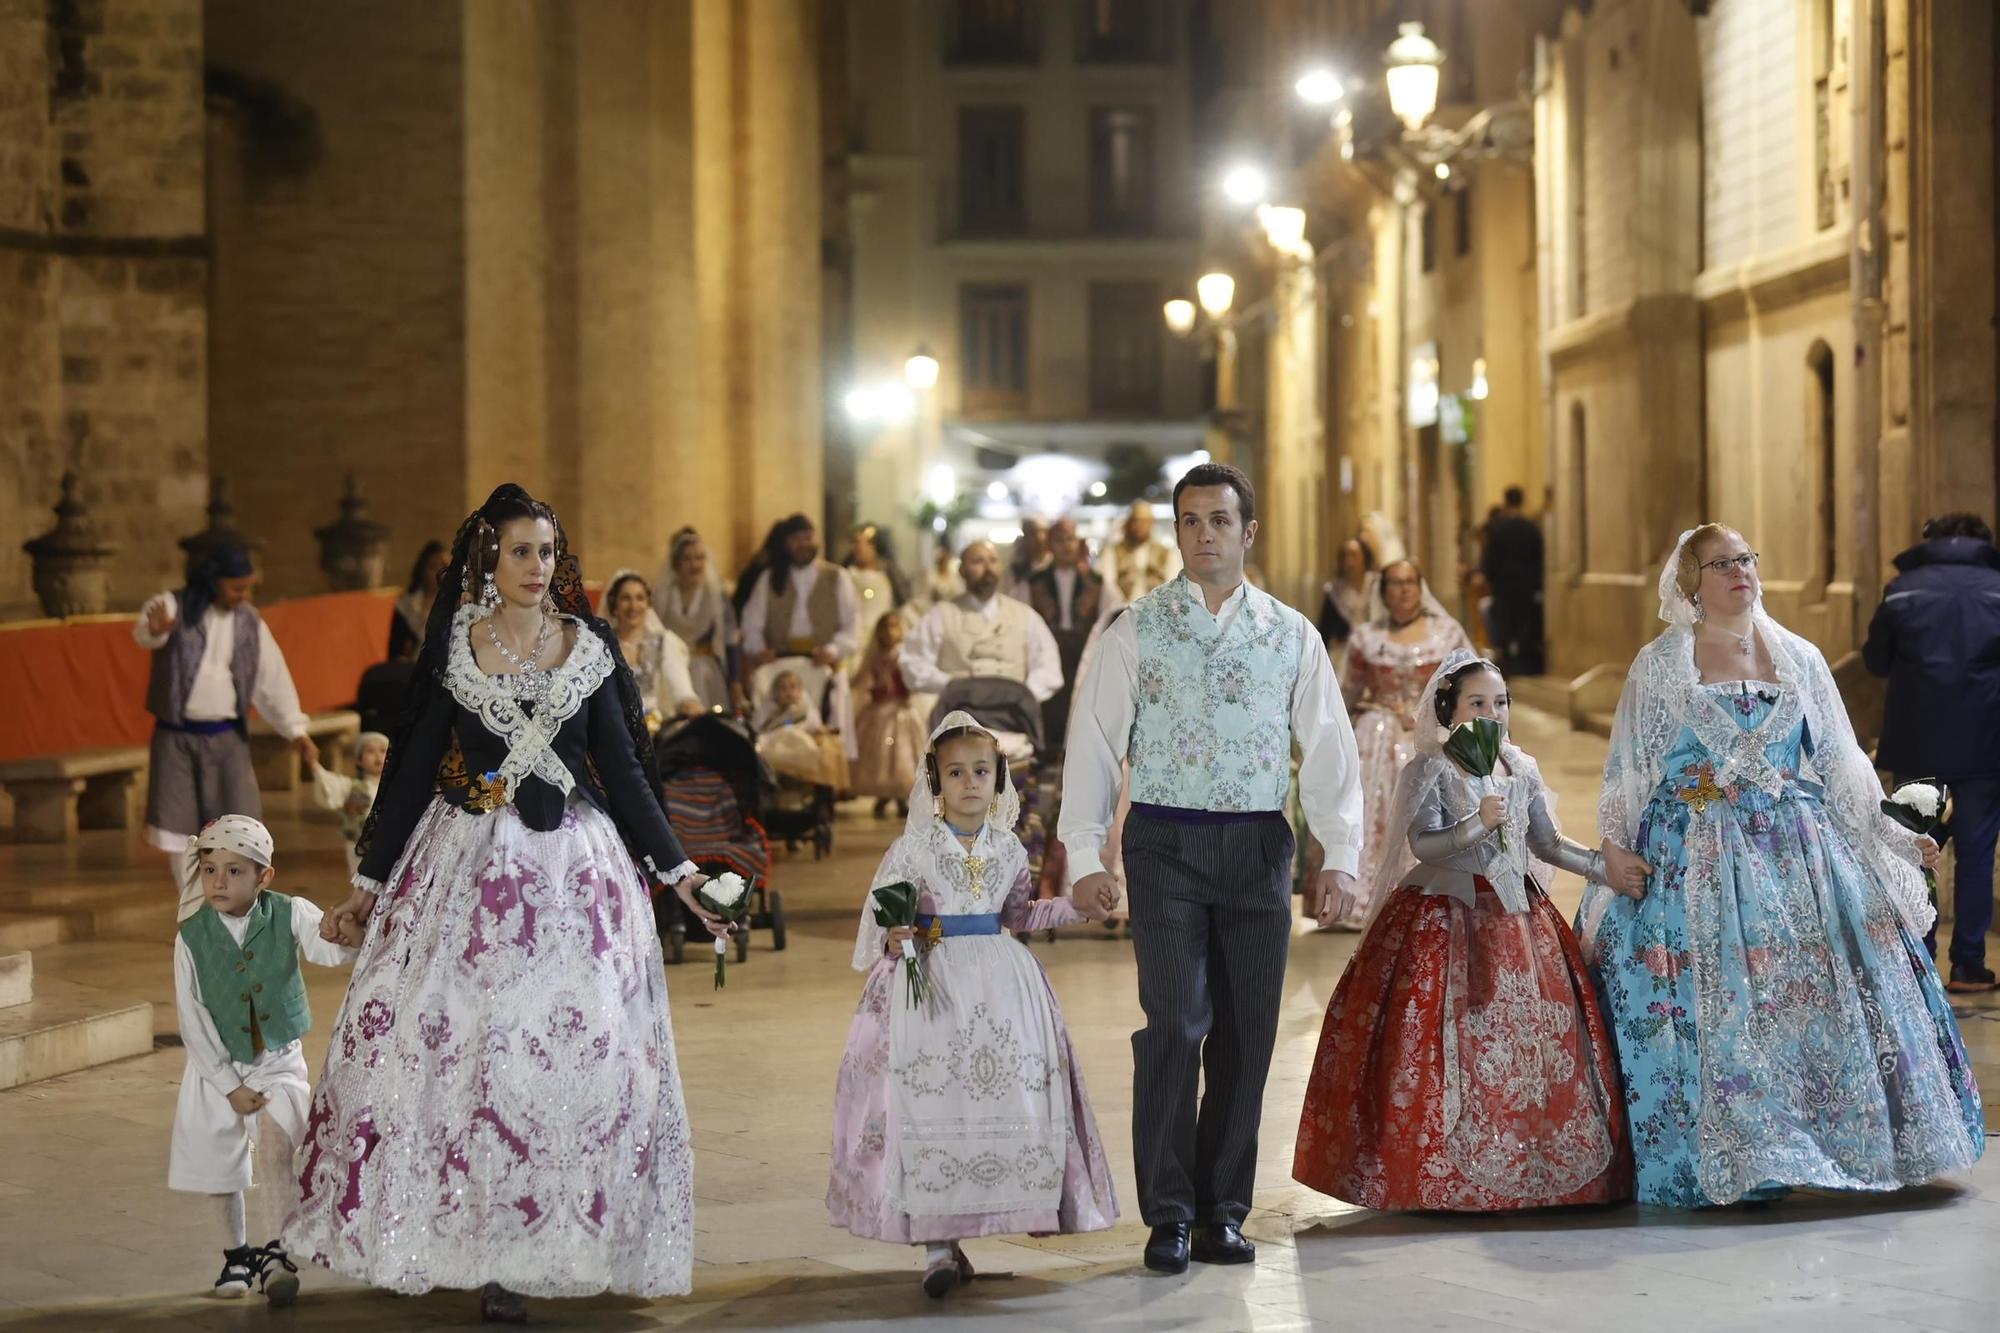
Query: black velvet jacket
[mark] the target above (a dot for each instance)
(592, 745)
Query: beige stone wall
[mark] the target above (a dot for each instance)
(339, 297)
(569, 246)
(102, 319)
(1774, 298)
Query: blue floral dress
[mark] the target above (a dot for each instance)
(1777, 1024)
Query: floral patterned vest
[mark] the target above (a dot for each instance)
(1213, 724)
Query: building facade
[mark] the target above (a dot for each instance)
(1738, 264)
(1020, 208)
(1387, 373)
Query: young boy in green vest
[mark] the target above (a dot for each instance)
(242, 1006)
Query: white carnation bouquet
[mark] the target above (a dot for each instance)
(1919, 807)
(727, 896)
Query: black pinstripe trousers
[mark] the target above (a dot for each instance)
(1211, 925)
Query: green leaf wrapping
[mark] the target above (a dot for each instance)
(896, 905)
(1475, 747)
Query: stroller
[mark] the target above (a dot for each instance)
(1005, 706)
(717, 790)
(809, 776)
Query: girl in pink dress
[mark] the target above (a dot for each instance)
(963, 1114)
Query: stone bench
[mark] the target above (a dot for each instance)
(278, 765)
(55, 795)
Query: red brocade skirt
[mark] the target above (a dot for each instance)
(1464, 1066)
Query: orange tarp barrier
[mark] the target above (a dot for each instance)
(80, 684)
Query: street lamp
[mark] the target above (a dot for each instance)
(1215, 291)
(1180, 317)
(1319, 86)
(921, 370)
(863, 403)
(1413, 60)
(1284, 228)
(1245, 184)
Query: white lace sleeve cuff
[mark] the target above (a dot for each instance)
(670, 877)
(367, 885)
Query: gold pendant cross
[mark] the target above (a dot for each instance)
(975, 871)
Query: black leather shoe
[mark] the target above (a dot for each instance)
(1223, 1243)
(1167, 1248)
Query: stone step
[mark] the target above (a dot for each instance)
(17, 979)
(31, 930)
(24, 926)
(67, 1027)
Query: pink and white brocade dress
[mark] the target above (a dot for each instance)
(500, 1101)
(966, 1116)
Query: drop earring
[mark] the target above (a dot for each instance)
(491, 595)
(937, 807)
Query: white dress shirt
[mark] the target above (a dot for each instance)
(919, 656)
(757, 611)
(1100, 733)
(212, 695)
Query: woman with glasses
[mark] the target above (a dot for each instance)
(1760, 947)
(1389, 661)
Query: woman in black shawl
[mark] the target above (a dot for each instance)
(500, 1103)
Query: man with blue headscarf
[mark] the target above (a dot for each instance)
(213, 661)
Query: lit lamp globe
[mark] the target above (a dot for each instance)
(1180, 317)
(1284, 227)
(921, 370)
(1319, 87)
(1215, 291)
(1244, 184)
(1413, 60)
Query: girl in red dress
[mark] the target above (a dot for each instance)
(1464, 1064)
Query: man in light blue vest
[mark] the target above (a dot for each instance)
(1204, 684)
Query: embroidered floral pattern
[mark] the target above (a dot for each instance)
(1777, 1023)
(522, 1120)
(1213, 725)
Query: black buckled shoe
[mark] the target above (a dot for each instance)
(277, 1275)
(1167, 1248)
(1223, 1243)
(239, 1270)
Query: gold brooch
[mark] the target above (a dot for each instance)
(934, 933)
(1703, 793)
(486, 793)
(975, 872)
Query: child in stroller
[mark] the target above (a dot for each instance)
(809, 760)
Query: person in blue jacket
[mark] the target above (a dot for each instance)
(1936, 636)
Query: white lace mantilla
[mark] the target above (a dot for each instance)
(530, 737)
